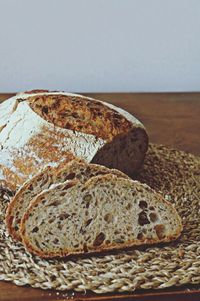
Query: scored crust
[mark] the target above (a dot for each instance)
(79, 113)
(65, 125)
(88, 186)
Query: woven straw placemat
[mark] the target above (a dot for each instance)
(174, 173)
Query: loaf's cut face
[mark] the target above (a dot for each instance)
(43, 128)
(105, 213)
(76, 169)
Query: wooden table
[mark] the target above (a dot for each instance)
(172, 119)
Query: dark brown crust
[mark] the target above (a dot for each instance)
(110, 150)
(103, 247)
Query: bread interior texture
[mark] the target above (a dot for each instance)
(105, 213)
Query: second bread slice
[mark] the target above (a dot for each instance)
(78, 169)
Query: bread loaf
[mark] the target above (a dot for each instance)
(41, 128)
(107, 212)
(76, 169)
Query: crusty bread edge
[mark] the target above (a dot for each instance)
(16, 199)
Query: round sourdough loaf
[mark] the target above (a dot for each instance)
(41, 128)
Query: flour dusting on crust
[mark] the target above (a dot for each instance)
(29, 143)
(22, 145)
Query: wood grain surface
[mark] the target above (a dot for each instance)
(172, 119)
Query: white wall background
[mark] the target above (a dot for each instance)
(100, 45)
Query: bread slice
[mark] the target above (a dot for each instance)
(106, 212)
(43, 180)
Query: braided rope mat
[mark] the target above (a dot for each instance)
(174, 173)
